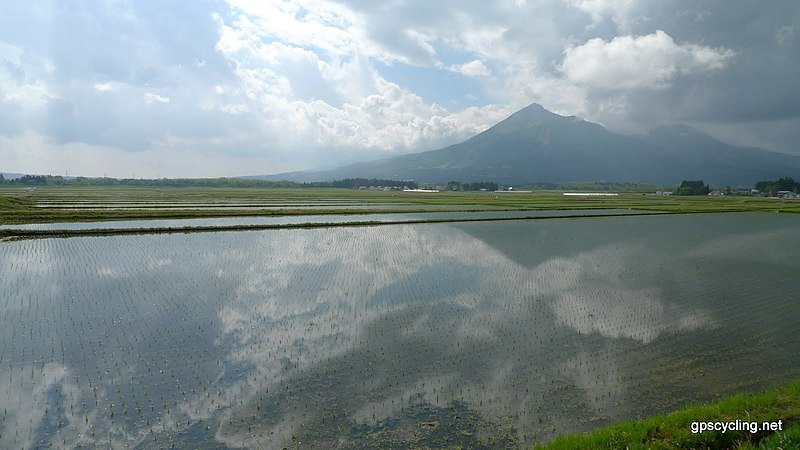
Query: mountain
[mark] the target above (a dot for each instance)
(15, 175)
(11, 175)
(700, 156)
(536, 145)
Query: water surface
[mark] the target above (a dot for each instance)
(476, 334)
(309, 218)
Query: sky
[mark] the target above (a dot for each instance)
(206, 88)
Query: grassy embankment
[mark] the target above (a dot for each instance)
(673, 431)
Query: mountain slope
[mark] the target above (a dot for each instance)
(535, 145)
(700, 156)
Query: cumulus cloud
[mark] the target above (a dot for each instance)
(103, 87)
(601, 9)
(150, 97)
(475, 68)
(29, 95)
(631, 62)
(310, 83)
(324, 25)
(329, 102)
(638, 313)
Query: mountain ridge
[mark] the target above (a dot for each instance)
(536, 145)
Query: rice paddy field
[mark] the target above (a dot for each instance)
(460, 334)
(45, 204)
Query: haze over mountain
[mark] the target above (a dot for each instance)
(11, 175)
(536, 145)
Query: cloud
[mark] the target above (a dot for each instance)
(104, 87)
(27, 402)
(269, 324)
(784, 35)
(474, 68)
(601, 9)
(313, 98)
(630, 62)
(30, 152)
(30, 95)
(294, 304)
(154, 98)
(309, 23)
(310, 83)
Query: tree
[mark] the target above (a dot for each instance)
(693, 187)
(474, 186)
(453, 186)
(785, 184)
(781, 184)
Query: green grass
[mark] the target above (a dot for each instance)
(19, 205)
(673, 431)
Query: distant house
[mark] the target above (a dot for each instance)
(663, 192)
(716, 194)
(786, 194)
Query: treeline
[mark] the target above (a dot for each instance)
(25, 180)
(693, 187)
(477, 186)
(781, 184)
(355, 183)
(50, 180)
(590, 186)
(349, 183)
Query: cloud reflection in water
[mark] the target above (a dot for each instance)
(268, 339)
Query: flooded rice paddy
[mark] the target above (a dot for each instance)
(490, 334)
(311, 219)
(265, 207)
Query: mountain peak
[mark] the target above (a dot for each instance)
(535, 109)
(528, 117)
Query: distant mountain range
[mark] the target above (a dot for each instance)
(11, 175)
(535, 145)
(15, 175)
